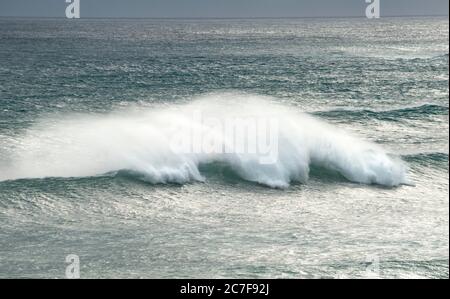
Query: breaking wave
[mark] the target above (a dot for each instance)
(141, 141)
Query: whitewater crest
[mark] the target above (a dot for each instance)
(142, 141)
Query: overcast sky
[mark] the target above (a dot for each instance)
(221, 8)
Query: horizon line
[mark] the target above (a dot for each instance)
(229, 18)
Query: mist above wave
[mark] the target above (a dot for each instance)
(142, 141)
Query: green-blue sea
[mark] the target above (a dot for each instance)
(359, 188)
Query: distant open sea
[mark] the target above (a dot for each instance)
(361, 184)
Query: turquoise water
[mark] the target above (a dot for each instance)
(85, 108)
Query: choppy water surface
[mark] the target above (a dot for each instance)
(362, 174)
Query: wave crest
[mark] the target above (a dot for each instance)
(140, 142)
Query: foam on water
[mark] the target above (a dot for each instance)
(140, 140)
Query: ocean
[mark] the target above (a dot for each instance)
(357, 188)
